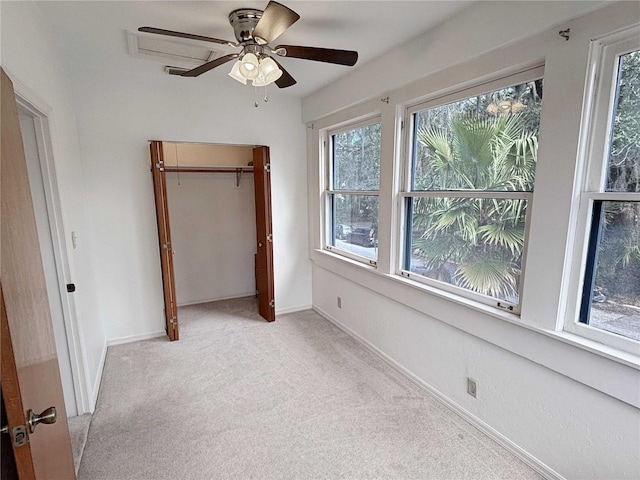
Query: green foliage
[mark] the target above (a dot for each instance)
(356, 166)
(624, 160)
(618, 266)
(475, 243)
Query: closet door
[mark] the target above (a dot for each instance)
(164, 236)
(264, 259)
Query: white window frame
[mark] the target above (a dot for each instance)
(598, 125)
(326, 136)
(530, 74)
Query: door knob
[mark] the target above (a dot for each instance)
(49, 416)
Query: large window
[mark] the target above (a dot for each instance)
(610, 300)
(470, 178)
(353, 190)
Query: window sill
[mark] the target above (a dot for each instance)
(610, 371)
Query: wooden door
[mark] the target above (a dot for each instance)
(164, 236)
(30, 372)
(264, 258)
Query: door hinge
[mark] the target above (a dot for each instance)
(18, 435)
(172, 320)
(267, 167)
(270, 238)
(272, 303)
(160, 166)
(166, 245)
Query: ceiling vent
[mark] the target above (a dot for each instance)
(182, 53)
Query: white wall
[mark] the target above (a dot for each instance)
(117, 113)
(114, 129)
(573, 429)
(30, 58)
(571, 404)
(478, 29)
(213, 235)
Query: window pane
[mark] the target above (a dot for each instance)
(486, 142)
(624, 153)
(468, 242)
(612, 298)
(355, 228)
(356, 158)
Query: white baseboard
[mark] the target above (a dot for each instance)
(492, 433)
(217, 299)
(299, 308)
(93, 400)
(134, 338)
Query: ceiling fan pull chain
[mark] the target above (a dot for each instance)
(266, 98)
(255, 96)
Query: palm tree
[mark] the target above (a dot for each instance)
(475, 243)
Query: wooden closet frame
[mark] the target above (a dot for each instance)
(264, 232)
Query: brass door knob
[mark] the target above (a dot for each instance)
(49, 416)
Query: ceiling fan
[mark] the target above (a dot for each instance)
(254, 31)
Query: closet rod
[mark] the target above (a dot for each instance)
(207, 170)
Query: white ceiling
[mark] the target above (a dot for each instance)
(92, 34)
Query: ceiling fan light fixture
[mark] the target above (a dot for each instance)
(270, 70)
(249, 66)
(260, 81)
(255, 30)
(235, 73)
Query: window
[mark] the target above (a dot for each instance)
(353, 190)
(470, 178)
(610, 299)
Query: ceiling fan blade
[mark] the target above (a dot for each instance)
(171, 33)
(327, 55)
(209, 65)
(285, 80)
(275, 19)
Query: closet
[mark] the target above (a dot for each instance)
(213, 210)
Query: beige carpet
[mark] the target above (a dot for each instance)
(78, 430)
(238, 398)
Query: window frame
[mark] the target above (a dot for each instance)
(406, 194)
(598, 127)
(328, 192)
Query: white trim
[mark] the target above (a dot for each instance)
(42, 115)
(327, 189)
(483, 427)
(134, 338)
(353, 256)
(282, 311)
(610, 371)
(217, 299)
(593, 158)
(471, 89)
(501, 195)
(95, 391)
(300, 308)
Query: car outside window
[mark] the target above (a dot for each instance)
(352, 191)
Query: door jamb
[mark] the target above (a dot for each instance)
(42, 115)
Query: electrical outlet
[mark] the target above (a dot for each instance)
(339, 302)
(472, 387)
